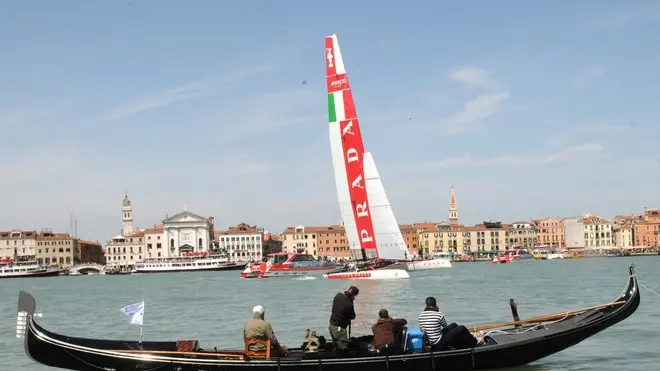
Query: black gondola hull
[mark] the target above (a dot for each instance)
(506, 348)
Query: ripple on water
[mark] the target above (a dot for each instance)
(212, 307)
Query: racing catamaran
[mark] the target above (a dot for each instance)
(375, 240)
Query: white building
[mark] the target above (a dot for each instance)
(242, 243)
(589, 231)
(623, 236)
(187, 232)
(155, 241)
(124, 251)
(17, 243)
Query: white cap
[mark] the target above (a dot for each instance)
(258, 309)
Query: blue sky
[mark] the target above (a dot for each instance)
(529, 109)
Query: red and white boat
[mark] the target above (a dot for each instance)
(288, 265)
(512, 256)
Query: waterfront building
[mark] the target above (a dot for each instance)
(647, 229)
(187, 232)
(56, 249)
(301, 239)
(272, 243)
(155, 242)
(588, 231)
(550, 232)
(333, 243)
(410, 234)
(491, 237)
(18, 243)
(242, 243)
(522, 235)
(124, 251)
(623, 235)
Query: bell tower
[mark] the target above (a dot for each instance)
(453, 208)
(127, 217)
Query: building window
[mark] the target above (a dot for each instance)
(172, 242)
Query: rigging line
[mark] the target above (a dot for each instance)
(648, 288)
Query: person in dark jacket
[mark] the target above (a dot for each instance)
(385, 329)
(342, 314)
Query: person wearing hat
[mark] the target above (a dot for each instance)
(342, 313)
(259, 328)
(385, 330)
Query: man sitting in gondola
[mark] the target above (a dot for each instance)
(259, 328)
(386, 331)
(440, 336)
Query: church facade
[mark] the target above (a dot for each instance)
(187, 232)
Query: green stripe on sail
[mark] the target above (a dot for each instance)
(332, 112)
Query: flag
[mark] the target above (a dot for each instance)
(135, 311)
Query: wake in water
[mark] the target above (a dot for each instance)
(304, 278)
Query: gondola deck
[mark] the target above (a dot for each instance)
(506, 345)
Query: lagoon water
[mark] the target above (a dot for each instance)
(212, 306)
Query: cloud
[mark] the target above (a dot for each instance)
(475, 77)
(478, 109)
(589, 74)
(183, 92)
(510, 161)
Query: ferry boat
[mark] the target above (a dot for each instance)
(188, 262)
(288, 265)
(546, 253)
(29, 267)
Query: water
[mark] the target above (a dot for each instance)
(213, 306)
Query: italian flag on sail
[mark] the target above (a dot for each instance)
(340, 106)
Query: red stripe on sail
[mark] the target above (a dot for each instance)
(353, 151)
(330, 69)
(349, 109)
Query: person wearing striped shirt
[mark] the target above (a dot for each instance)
(432, 321)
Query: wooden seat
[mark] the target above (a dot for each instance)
(257, 354)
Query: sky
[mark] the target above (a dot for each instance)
(529, 109)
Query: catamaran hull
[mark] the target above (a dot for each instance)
(376, 274)
(229, 267)
(428, 264)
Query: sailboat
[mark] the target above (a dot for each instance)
(375, 240)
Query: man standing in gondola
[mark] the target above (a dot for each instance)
(343, 312)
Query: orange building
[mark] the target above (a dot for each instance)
(550, 232)
(647, 230)
(332, 243)
(410, 234)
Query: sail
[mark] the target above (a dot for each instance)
(391, 245)
(347, 156)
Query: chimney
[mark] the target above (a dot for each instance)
(211, 220)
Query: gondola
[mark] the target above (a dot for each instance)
(509, 344)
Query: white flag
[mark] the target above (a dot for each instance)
(135, 311)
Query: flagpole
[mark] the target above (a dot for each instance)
(141, 325)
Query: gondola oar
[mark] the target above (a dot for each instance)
(546, 318)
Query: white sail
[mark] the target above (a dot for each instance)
(343, 192)
(389, 239)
